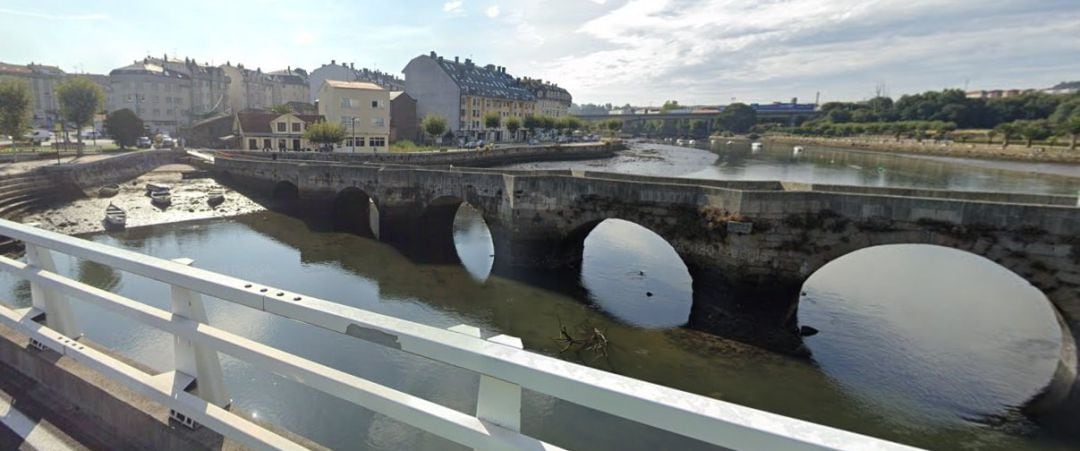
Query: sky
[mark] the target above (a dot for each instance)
(618, 51)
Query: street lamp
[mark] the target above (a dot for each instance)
(353, 138)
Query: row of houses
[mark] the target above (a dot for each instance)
(183, 96)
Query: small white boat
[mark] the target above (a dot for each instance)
(796, 150)
(691, 142)
(115, 217)
(161, 198)
(729, 143)
(755, 147)
(215, 198)
(680, 142)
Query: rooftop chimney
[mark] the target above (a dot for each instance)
(456, 59)
(433, 54)
(333, 62)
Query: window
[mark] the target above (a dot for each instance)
(266, 143)
(157, 112)
(378, 121)
(377, 141)
(253, 144)
(295, 126)
(374, 103)
(346, 103)
(281, 126)
(154, 99)
(349, 142)
(359, 141)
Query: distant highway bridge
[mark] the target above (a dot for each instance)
(787, 112)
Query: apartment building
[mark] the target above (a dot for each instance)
(463, 92)
(551, 100)
(255, 89)
(362, 108)
(42, 80)
(349, 72)
(161, 97)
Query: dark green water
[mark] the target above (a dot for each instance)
(918, 344)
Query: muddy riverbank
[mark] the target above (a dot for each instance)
(189, 202)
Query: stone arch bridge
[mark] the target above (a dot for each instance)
(749, 246)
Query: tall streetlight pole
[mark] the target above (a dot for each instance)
(353, 138)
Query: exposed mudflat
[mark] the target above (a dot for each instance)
(189, 202)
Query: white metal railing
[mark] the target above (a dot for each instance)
(503, 365)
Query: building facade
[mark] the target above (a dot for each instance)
(551, 100)
(403, 121)
(255, 89)
(263, 130)
(208, 86)
(362, 108)
(463, 93)
(160, 97)
(349, 72)
(42, 80)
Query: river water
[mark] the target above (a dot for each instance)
(918, 344)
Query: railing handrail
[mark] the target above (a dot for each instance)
(712, 421)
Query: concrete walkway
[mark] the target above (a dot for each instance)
(27, 166)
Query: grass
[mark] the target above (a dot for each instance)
(409, 146)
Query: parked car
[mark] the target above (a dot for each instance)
(167, 142)
(39, 136)
(144, 142)
(92, 134)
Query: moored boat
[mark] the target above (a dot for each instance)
(215, 198)
(153, 187)
(115, 217)
(161, 198)
(109, 190)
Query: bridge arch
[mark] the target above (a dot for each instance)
(1061, 397)
(631, 272)
(286, 192)
(355, 211)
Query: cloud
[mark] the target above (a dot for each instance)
(452, 7)
(37, 15)
(711, 50)
(492, 11)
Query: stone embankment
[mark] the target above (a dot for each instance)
(471, 158)
(1015, 152)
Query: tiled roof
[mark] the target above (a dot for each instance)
(353, 85)
(258, 121)
(148, 69)
(484, 81)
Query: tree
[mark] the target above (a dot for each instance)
(1033, 130)
(492, 120)
(433, 125)
(80, 99)
(1007, 130)
(614, 125)
(670, 105)
(15, 108)
(325, 133)
(124, 127)
(513, 124)
(548, 123)
(281, 109)
(1071, 127)
(531, 123)
(738, 117)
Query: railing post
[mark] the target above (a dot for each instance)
(57, 308)
(498, 401)
(194, 360)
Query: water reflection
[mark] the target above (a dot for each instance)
(930, 340)
(824, 165)
(636, 276)
(472, 240)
